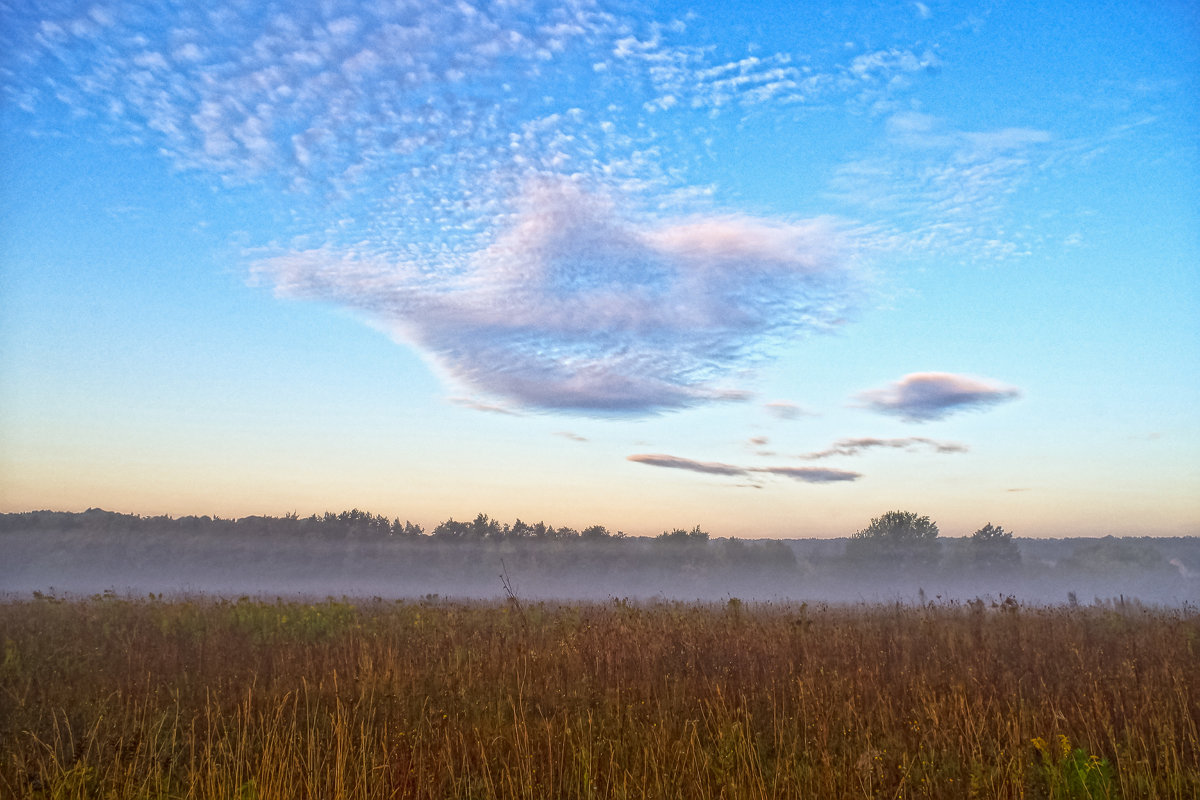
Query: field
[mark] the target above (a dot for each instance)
(119, 698)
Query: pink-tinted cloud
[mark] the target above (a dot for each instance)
(576, 307)
(926, 396)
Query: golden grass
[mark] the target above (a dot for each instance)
(247, 699)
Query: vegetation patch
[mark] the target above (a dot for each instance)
(116, 697)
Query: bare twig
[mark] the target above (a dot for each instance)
(512, 596)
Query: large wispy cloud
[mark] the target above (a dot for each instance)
(455, 172)
(801, 474)
(576, 307)
(925, 396)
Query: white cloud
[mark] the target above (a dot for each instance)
(149, 60)
(884, 64)
(188, 51)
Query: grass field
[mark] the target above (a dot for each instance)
(152, 698)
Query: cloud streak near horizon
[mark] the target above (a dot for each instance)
(408, 127)
(856, 446)
(801, 474)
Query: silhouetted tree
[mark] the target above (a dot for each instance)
(407, 530)
(484, 527)
(450, 529)
(680, 536)
(993, 547)
(594, 532)
(897, 537)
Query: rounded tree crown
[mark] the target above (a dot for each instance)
(991, 533)
(899, 526)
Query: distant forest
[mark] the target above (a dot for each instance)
(897, 556)
(347, 524)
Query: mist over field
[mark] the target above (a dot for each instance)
(358, 555)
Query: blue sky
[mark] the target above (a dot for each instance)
(772, 269)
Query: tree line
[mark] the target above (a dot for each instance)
(902, 536)
(896, 542)
(346, 524)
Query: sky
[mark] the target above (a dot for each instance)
(772, 269)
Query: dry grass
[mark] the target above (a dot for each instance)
(207, 699)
